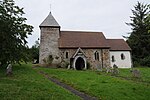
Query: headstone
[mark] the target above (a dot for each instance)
(115, 70)
(34, 61)
(136, 73)
(69, 66)
(108, 69)
(9, 70)
(98, 66)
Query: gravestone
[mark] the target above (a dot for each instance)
(115, 70)
(9, 70)
(136, 73)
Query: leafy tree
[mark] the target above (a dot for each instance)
(13, 33)
(34, 51)
(139, 39)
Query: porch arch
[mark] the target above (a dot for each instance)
(79, 63)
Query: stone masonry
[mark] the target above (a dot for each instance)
(49, 44)
(89, 53)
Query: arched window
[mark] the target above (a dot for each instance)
(67, 55)
(122, 56)
(113, 59)
(96, 54)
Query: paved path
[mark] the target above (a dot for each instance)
(69, 88)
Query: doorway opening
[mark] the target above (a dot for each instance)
(80, 64)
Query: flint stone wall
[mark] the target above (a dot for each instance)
(49, 44)
(90, 57)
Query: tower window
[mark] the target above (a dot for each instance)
(122, 56)
(96, 55)
(67, 55)
(113, 59)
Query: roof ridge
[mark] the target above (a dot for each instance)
(81, 31)
(115, 39)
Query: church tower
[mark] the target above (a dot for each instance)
(50, 32)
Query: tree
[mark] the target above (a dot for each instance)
(13, 33)
(34, 51)
(139, 39)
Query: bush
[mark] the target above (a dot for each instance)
(141, 62)
(136, 64)
(145, 61)
(66, 64)
(63, 64)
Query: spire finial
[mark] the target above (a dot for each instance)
(50, 8)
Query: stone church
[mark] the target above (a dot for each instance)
(80, 49)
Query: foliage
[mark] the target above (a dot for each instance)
(13, 33)
(139, 39)
(27, 84)
(105, 86)
(34, 51)
(145, 61)
(63, 64)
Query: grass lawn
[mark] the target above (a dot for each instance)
(145, 75)
(27, 84)
(104, 86)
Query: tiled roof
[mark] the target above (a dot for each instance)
(118, 44)
(76, 39)
(49, 21)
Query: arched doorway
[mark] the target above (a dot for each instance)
(80, 64)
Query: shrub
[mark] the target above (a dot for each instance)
(136, 64)
(145, 61)
(66, 64)
(63, 64)
(142, 62)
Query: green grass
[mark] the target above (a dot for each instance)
(104, 86)
(144, 75)
(27, 84)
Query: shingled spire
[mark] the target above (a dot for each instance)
(49, 22)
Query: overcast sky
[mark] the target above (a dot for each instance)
(107, 16)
